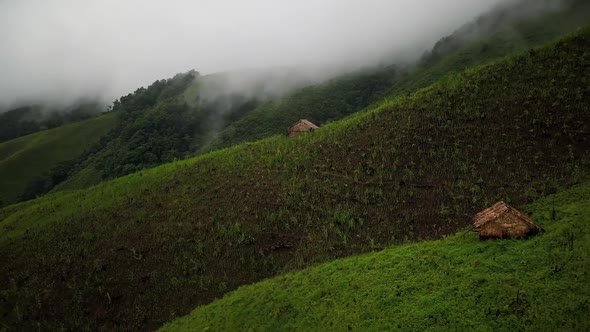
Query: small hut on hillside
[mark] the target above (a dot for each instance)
(300, 127)
(502, 221)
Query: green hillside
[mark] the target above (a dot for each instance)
(492, 36)
(159, 124)
(466, 49)
(329, 101)
(143, 249)
(28, 159)
(457, 284)
(25, 120)
(171, 119)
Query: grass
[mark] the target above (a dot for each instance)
(329, 101)
(84, 178)
(346, 95)
(25, 159)
(414, 168)
(513, 37)
(153, 130)
(459, 284)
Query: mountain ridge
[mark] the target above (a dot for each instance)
(175, 119)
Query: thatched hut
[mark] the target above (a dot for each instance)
(502, 221)
(300, 127)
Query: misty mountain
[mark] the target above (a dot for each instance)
(502, 17)
(138, 251)
(29, 119)
(505, 30)
(191, 114)
(78, 53)
(187, 188)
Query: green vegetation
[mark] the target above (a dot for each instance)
(489, 38)
(32, 161)
(458, 284)
(461, 51)
(26, 120)
(169, 120)
(321, 103)
(413, 168)
(159, 124)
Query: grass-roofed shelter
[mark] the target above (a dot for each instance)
(300, 127)
(502, 221)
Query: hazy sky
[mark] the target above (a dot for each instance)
(62, 49)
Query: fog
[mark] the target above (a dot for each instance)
(58, 51)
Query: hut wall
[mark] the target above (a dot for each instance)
(298, 129)
(491, 230)
(513, 226)
(506, 226)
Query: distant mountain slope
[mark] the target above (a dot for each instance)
(502, 32)
(332, 100)
(164, 122)
(493, 36)
(28, 161)
(26, 120)
(175, 118)
(143, 249)
(456, 284)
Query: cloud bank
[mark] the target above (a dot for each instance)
(57, 51)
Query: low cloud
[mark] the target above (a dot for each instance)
(59, 51)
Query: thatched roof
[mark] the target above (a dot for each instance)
(497, 211)
(301, 126)
(305, 123)
(501, 221)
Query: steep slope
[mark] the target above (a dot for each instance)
(142, 249)
(332, 100)
(29, 160)
(176, 118)
(159, 124)
(502, 32)
(494, 36)
(456, 284)
(25, 120)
